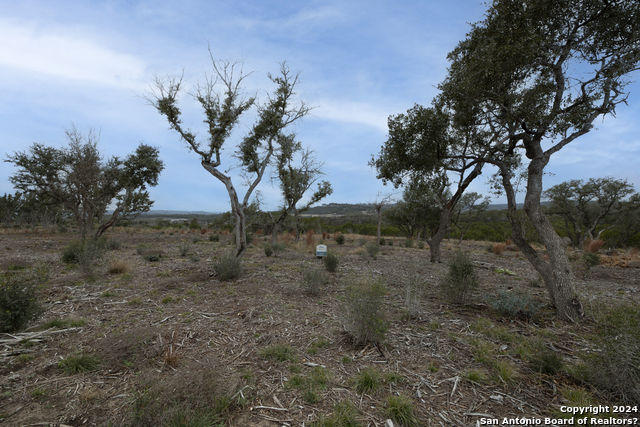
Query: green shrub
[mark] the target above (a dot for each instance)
(402, 411)
(590, 260)
(330, 262)
(79, 363)
(228, 267)
(152, 258)
(184, 250)
(382, 241)
(277, 249)
(313, 281)
(193, 225)
(408, 243)
(515, 305)
(546, 362)
(373, 249)
(368, 381)
(19, 301)
(280, 353)
(461, 280)
(268, 250)
(84, 253)
(615, 365)
(364, 309)
(214, 238)
(344, 414)
(340, 239)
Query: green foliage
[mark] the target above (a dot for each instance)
(214, 238)
(19, 299)
(368, 381)
(402, 411)
(546, 361)
(193, 225)
(373, 249)
(590, 260)
(382, 241)
(152, 258)
(280, 353)
(344, 414)
(615, 366)
(364, 309)
(331, 262)
(84, 253)
(461, 280)
(268, 250)
(184, 250)
(515, 305)
(313, 281)
(228, 267)
(340, 239)
(79, 363)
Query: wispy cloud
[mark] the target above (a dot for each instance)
(65, 53)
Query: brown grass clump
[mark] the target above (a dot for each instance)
(170, 356)
(498, 248)
(130, 349)
(508, 242)
(286, 238)
(593, 246)
(634, 251)
(203, 231)
(310, 239)
(119, 267)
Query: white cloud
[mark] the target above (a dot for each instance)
(353, 112)
(65, 53)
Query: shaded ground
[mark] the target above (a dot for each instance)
(163, 324)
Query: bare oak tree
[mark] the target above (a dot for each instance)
(222, 102)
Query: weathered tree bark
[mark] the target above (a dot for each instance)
(556, 272)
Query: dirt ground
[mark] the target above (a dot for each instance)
(185, 321)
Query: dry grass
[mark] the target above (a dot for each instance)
(310, 239)
(498, 248)
(593, 246)
(634, 251)
(119, 267)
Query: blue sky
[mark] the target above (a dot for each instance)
(88, 63)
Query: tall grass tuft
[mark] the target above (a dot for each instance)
(461, 280)
(364, 309)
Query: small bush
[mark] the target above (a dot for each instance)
(498, 248)
(382, 241)
(593, 246)
(515, 305)
(193, 225)
(546, 362)
(331, 262)
(268, 251)
(314, 280)
(363, 307)
(214, 238)
(373, 249)
(277, 249)
(590, 259)
(83, 253)
(19, 302)
(368, 381)
(615, 367)
(390, 242)
(340, 239)
(152, 258)
(118, 267)
(461, 280)
(228, 267)
(111, 245)
(79, 363)
(401, 410)
(184, 250)
(408, 243)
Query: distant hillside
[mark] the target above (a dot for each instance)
(341, 209)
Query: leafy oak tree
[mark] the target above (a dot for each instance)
(81, 181)
(584, 206)
(222, 102)
(537, 74)
(427, 144)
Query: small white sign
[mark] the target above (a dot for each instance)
(321, 250)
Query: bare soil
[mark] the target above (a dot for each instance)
(173, 320)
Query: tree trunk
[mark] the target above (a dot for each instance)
(237, 209)
(438, 237)
(556, 272)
